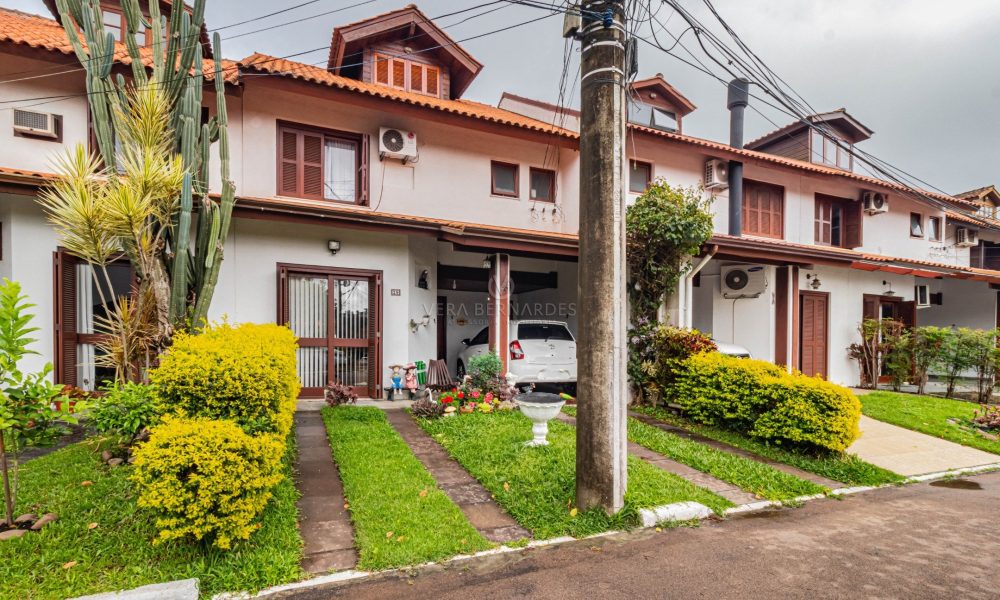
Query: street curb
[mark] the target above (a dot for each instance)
(181, 589)
(650, 517)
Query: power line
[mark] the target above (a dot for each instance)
(49, 99)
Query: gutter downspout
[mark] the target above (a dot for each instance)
(687, 319)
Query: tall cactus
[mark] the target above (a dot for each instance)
(184, 275)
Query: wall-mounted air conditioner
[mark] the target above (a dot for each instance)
(922, 295)
(875, 202)
(716, 174)
(32, 122)
(966, 238)
(396, 143)
(743, 281)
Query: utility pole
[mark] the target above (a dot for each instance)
(602, 383)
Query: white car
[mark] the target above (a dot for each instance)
(732, 349)
(540, 352)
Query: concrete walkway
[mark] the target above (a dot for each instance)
(913, 453)
(472, 498)
(324, 522)
(684, 433)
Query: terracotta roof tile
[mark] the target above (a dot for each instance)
(278, 66)
(43, 33)
(798, 164)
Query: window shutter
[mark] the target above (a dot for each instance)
(382, 69)
(416, 77)
(433, 77)
(312, 165)
(374, 335)
(65, 289)
(288, 157)
(853, 225)
(763, 209)
(363, 199)
(398, 73)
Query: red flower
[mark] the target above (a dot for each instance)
(447, 399)
(475, 394)
(461, 395)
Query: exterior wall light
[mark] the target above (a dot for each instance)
(814, 281)
(334, 246)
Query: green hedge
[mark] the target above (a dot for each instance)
(762, 400)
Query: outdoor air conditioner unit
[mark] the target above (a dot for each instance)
(396, 143)
(922, 295)
(716, 174)
(35, 123)
(966, 238)
(875, 202)
(743, 281)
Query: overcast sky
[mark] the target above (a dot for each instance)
(923, 74)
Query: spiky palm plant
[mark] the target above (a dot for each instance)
(146, 196)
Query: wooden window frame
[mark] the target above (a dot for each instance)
(818, 156)
(923, 231)
(408, 66)
(493, 180)
(940, 229)
(123, 24)
(632, 163)
(552, 190)
(361, 162)
(748, 185)
(375, 282)
(852, 216)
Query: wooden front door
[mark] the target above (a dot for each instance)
(336, 314)
(814, 328)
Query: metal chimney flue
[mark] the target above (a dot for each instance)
(737, 101)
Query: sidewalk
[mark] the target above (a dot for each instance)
(912, 453)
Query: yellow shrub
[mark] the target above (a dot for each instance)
(245, 373)
(206, 479)
(762, 400)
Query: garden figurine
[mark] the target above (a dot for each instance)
(396, 376)
(410, 378)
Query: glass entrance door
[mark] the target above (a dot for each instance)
(335, 315)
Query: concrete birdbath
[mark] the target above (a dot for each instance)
(540, 408)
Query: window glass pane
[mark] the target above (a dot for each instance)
(665, 120)
(916, 226)
(312, 367)
(541, 185)
(836, 221)
(817, 147)
(542, 331)
(340, 170)
(140, 35)
(829, 152)
(350, 366)
(640, 114)
(934, 228)
(113, 23)
(89, 308)
(504, 179)
(638, 177)
(350, 302)
(307, 305)
(843, 158)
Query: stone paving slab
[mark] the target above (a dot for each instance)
(475, 501)
(713, 484)
(724, 447)
(324, 523)
(911, 453)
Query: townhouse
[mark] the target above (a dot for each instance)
(386, 218)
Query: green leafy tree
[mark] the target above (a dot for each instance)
(896, 356)
(147, 194)
(26, 399)
(664, 227)
(927, 352)
(959, 354)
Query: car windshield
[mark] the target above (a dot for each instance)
(543, 331)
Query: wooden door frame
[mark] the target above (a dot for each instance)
(826, 336)
(374, 278)
(442, 328)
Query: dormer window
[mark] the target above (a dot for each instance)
(825, 151)
(409, 75)
(651, 116)
(116, 24)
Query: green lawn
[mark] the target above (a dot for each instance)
(118, 553)
(400, 516)
(846, 468)
(749, 475)
(927, 415)
(537, 486)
